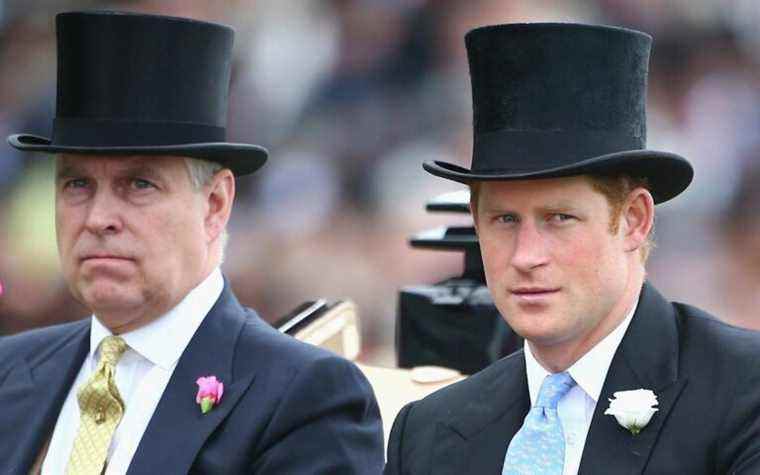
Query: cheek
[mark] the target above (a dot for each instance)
(66, 229)
(495, 254)
(178, 235)
(586, 247)
(596, 266)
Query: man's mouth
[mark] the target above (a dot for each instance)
(104, 257)
(533, 294)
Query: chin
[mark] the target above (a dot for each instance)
(108, 298)
(545, 332)
(549, 339)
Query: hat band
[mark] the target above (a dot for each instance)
(118, 133)
(507, 151)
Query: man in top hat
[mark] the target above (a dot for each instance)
(613, 377)
(171, 375)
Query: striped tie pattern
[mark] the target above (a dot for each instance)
(101, 409)
(538, 448)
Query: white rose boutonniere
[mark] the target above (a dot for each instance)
(633, 409)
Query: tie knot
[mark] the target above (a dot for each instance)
(553, 388)
(111, 349)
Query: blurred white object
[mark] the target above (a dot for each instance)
(333, 327)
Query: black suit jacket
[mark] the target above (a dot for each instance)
(705, 373)
(287, 408)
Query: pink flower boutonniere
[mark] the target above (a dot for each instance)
(210, 392)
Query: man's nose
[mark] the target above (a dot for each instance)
(104, 215)
(530, 249)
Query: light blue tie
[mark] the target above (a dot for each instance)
(538, 448)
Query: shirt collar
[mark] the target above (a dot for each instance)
(163, 340)
(590, 371)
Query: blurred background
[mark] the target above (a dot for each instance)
(350, 97)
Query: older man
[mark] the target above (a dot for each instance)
(171, 374)
(613, 378)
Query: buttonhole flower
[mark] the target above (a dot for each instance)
(210, 392)
(633, 409)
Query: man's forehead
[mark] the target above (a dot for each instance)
(563, 186)
(568, 194)
(70, 162)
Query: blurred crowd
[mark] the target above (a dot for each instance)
(350, 97)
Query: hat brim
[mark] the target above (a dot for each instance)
(667, 174)
(242, 159)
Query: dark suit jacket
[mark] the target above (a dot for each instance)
(705, 373)
(287, 408)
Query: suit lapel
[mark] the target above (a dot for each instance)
(646, 358)
(32, 395)
(475, 439)
(177, 430)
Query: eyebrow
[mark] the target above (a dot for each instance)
(556, 206)
(141, 170)
(67, 171)
(560, 206)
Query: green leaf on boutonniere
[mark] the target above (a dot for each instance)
(206, 404)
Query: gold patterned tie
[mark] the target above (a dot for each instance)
(101, 409)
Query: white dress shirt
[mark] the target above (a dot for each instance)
(576, 408)
(141, 376)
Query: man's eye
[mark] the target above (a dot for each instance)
(560, 217)
(75, 183)
(141, 184)
(507, 218)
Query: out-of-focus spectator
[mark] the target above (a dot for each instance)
(738, 289)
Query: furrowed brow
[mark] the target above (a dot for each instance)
(496, 208)
(141, 170)
(560, 206)
(67, 171)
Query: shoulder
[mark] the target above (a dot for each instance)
(447, 402)
(27, 344)
(285, 361)
(259, 338)
(466, 405)
(720, 361)
(257, 346)
(701, 332)
(31, 344)
(308, 392)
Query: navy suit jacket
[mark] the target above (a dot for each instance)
(288, 407)
(705, 373)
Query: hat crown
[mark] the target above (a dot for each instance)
(154, 72)
(558, 77)
(142, 67)
(562, 99)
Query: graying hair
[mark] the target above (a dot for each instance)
(201, 173)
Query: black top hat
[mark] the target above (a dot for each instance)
(553, 100)
(134, 84)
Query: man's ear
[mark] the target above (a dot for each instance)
(637, 218)
(220, 194)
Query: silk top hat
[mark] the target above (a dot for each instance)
(553, 100)
(133, 84)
